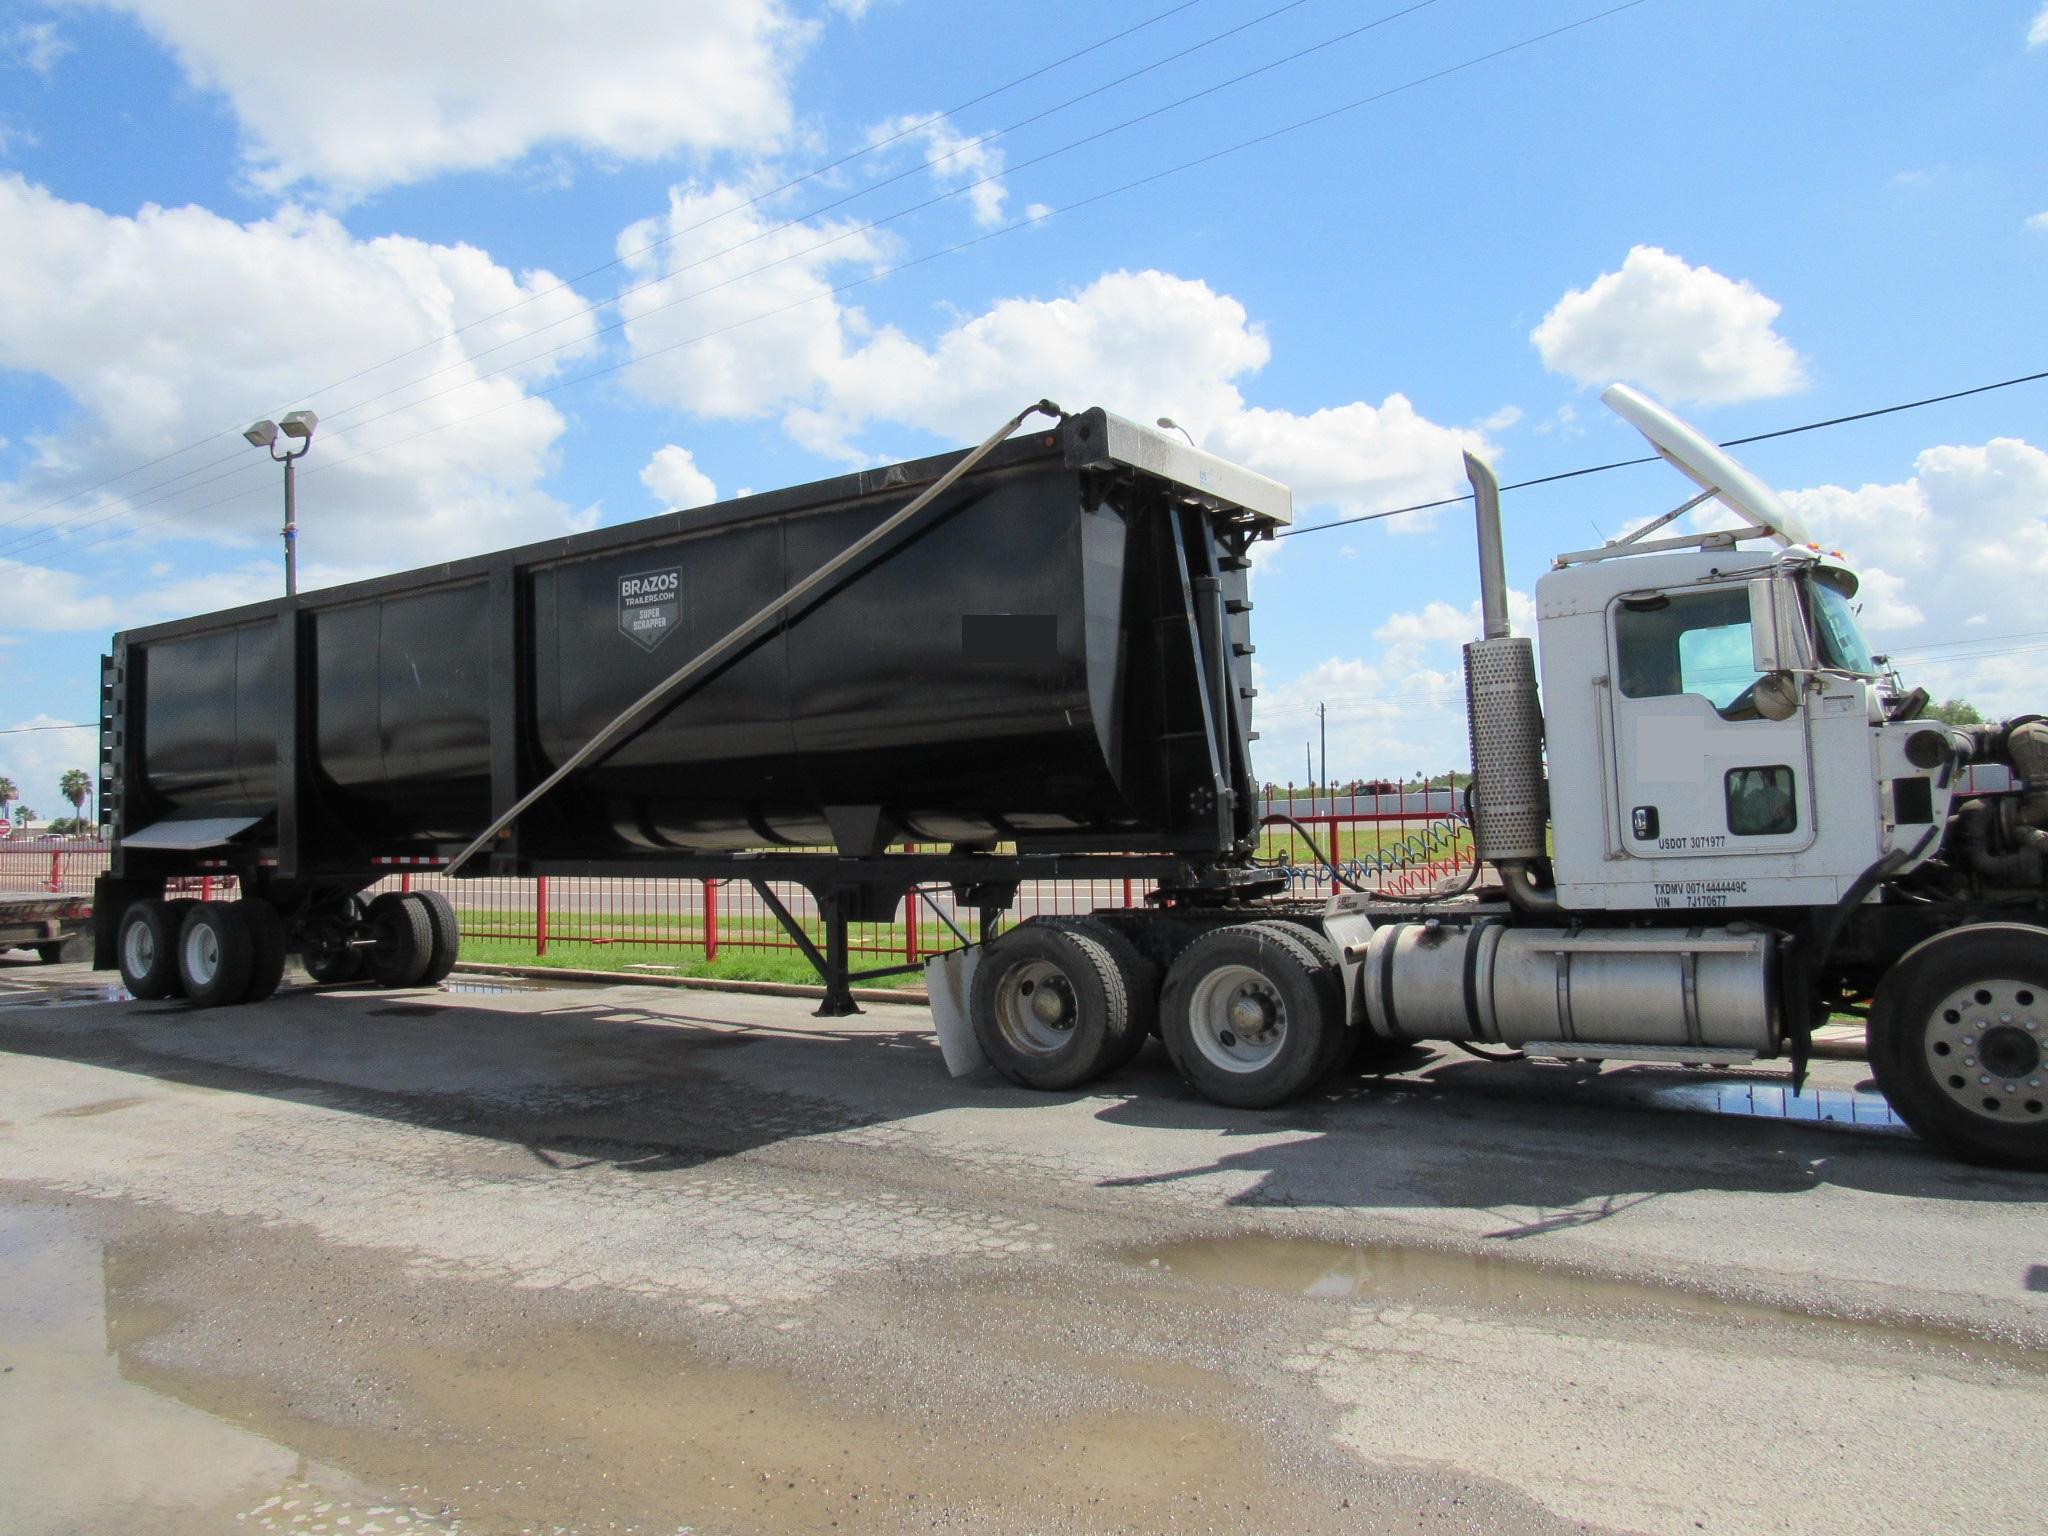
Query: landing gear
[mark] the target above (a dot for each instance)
(1959, 1043)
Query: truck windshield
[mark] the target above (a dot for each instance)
(1841, 642)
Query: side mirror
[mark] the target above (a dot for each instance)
(1777, 696)
(1776, 624)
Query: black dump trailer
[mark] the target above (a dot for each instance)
(1043, 670)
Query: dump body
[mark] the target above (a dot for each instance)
(1050, 657)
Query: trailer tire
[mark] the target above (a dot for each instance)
(1247, 1015)
(146, 950)
(1974, 1084)
(446, 936)
(1140, 979)
(266, 949)
(405, 940)
(325, 952)
(215, 953)
(1049, 1008)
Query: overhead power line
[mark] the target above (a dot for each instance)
(903, 132)
(877, 275)
(1733, 442)
(242, 468)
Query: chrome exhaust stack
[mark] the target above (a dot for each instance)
(1510, 804)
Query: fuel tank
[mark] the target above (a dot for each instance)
(1053, 655)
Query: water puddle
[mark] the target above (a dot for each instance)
(1423, 1280)
(1777, 1101)
(69, 996)
(84, 1447)
(122, 1410)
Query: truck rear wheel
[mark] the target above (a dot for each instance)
(405, 940)
(215, 953)
(1140, 978)
(1248, 1014)
(1049, 1008)
(1959, 1043)
(1339, 1039)
(146, 948)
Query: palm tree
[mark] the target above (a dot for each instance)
(23, 816)
(8, 795)
(75, 786)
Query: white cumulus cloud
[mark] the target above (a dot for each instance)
(675, 480)
(956, 160)
(174, 324)
(1685, 332)
(2037, 34)
(36, 45)
(2039, 222)
(393, 91)
(1963, 539)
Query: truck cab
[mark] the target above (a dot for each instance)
(1718, 731)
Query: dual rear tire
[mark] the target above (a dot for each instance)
(211, 953)
(1250, 1015)
(215, 953)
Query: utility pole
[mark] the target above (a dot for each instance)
(1323, 724)
(1308, 767)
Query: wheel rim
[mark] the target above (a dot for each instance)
(1984, 1045)
(138, 949)
(202, 955)
(1237, 1019)
(1035, 1007)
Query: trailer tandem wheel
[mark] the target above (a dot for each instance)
(146, 948)
(446, 934)
(1049, 1008)
(266, 949)
(404, 935)
(1959, 1042)
(326, 952)
(215, 953)
(1248, 1014)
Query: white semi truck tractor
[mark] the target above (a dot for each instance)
(1718, 822)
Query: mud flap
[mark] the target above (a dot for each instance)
(950, 980)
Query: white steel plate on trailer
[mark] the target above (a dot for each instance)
(189, 836)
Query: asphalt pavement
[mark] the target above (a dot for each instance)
(505, 1257)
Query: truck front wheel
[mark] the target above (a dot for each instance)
(1248, 1014)
(1959, 1043)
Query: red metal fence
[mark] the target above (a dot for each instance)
(1400, 839)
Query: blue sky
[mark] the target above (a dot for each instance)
(1763, 212)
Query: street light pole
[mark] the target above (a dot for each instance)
(291, 528)
(298, 426)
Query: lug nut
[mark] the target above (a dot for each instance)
(1969, 1039)
(1983, 1081)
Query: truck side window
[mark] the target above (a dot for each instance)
(1690, 642)
(1760, 802)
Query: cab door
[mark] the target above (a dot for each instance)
(1701, 774)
